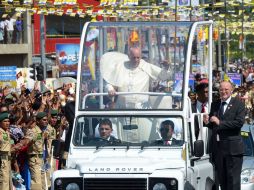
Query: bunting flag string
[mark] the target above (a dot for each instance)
(134, 9)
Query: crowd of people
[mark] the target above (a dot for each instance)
(11, 30)
(30, 123)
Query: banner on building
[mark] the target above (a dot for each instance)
(67, 59)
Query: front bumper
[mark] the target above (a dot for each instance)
(249, 186)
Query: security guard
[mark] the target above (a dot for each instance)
(52, 127)
(49, 134)
(34, 138)
(5, 152)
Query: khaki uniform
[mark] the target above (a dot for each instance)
(51, 135)
(5, 154)
(35, 153)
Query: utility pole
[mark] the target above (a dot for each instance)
(242, 42)
(42, 38)
(226, 39)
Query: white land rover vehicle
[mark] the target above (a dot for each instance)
(134, 161)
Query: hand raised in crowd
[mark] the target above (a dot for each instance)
(6, 91)
(36, 85)
(19, 105)
(15, 95)
(26, 106)
(64, 122)
(31, 123)
(44, 100)
(55, 105)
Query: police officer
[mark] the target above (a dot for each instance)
(5, 151)
(49, 134)
(34, 138)
(52, 127)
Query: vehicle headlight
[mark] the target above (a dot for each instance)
(68, 183)
(159, 186)
(72, 186)
(247, 176)
(59, 182)
(162, 183)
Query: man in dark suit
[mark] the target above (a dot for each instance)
(201, 104)
(166, 131)
(105, 130)
(105, 136)
(226, 119)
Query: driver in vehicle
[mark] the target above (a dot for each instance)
(105, 136)
(105, 130)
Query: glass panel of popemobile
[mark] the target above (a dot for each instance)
(130, 131)
(139, 65)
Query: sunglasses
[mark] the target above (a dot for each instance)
(164, 129)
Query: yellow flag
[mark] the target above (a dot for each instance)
(200, 34)
(184, 152)
(226, 77)
(91, 59)
(206, 33)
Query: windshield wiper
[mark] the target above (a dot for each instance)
(103, 142)
(144, 144)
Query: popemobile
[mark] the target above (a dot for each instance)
(134, 127)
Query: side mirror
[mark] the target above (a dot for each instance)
(198, 148)
(57, 148)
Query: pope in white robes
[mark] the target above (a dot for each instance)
(130, 74)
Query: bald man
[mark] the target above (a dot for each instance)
(133, 75)
(225, 120)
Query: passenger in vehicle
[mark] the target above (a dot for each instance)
(166, 132)
(130, 74)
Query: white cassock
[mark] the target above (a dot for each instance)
(116, 70)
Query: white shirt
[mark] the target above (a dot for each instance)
(249, 78)
(226, 105)
(168, 142)
(128, 79)
(9, 24)
(2, 24)
(199, 107)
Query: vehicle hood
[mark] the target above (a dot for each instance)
(133, 161)
(124, 165)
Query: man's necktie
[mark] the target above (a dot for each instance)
(221, 111)
(203, 108)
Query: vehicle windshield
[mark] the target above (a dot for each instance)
(128, 131)
(248, 143)
(138, 65)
